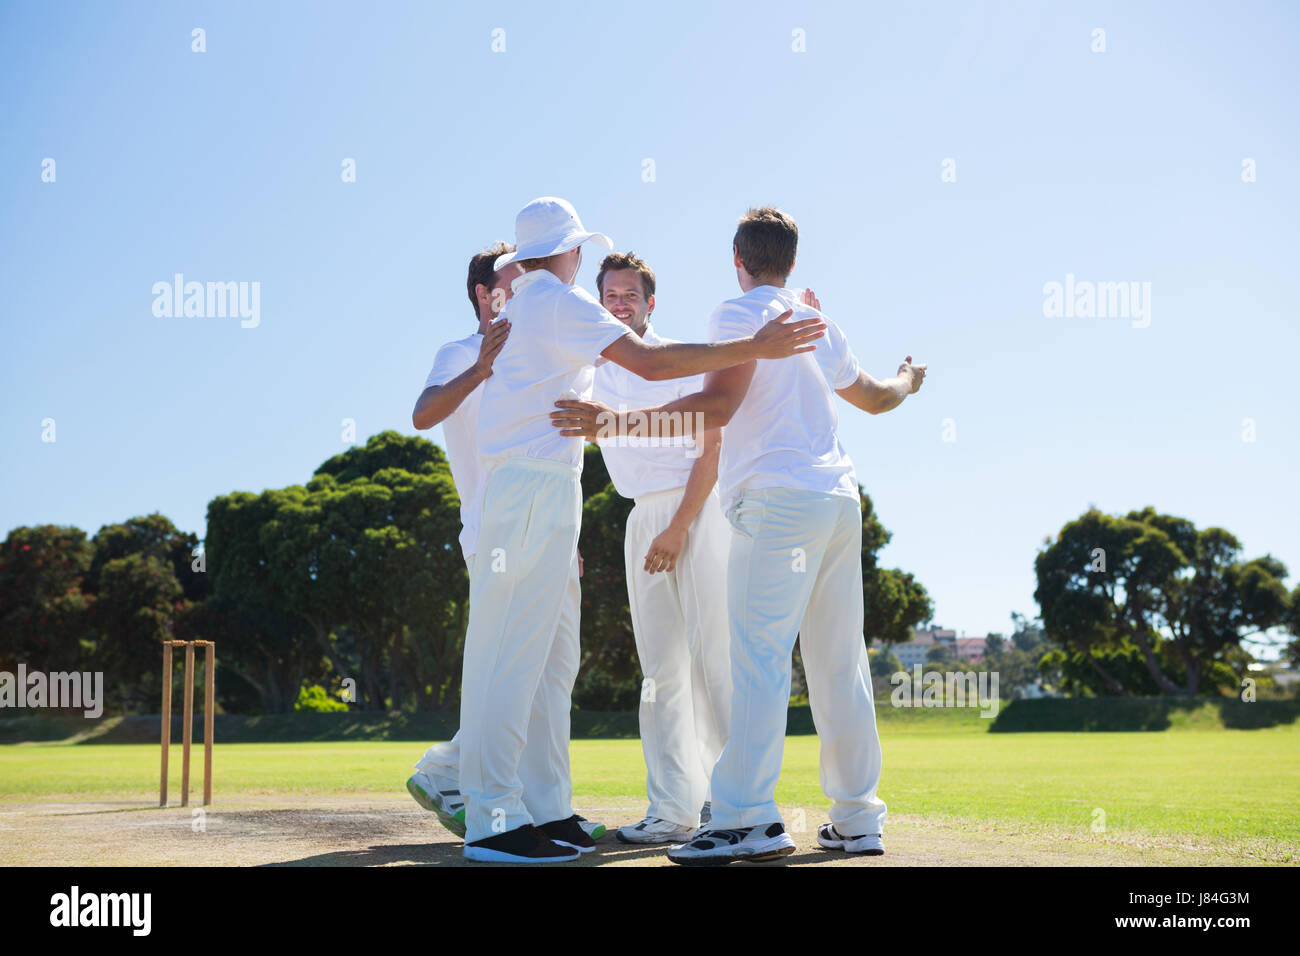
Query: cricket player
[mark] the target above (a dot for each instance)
(795, 566)
(675, 553)
(451, 396)
(531, 508)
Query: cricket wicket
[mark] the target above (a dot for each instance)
(187, 717)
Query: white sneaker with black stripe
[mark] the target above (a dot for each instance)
(654, 830)
(591, 828)
(441, 795)
(719, 847)
(868, 844)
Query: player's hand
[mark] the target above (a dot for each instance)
(780, 339)
(916, 373)
(579, 564)
(493, 339)
(576, 418)
(810, 298)
(664, 550)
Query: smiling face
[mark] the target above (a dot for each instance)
(623, 295)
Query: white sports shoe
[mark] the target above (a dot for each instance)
(720, 847)
(653, 830)
(868, 844)
(593, 830)
(442, 796)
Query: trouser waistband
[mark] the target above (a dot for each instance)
(539, 464)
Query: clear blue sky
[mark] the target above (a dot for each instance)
(225, 166)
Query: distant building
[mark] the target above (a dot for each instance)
(971, 648)
(914, 652)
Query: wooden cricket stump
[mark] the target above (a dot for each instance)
(187, 717)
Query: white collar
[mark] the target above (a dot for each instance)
(536, 275)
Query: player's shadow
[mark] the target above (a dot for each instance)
(417, 854)
(807, 858)
(122, 808)
(449, 854)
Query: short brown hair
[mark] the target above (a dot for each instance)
(626, 260)
(541, 262)
(767, 240)
(482, 268)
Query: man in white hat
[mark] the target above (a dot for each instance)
(795, 567)
(675, 552)
(531, 510)
(451, 397)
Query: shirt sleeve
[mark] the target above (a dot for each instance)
(835, 358)
(583, 329)
(452, 359)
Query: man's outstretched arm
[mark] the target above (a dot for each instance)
(869, 394)
(876, 396)
(438, 401)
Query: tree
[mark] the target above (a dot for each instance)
(939, 654)
(1182, 598)
(263, 638)
(156, 537)
(43, 609)
(135, 607)
(144, 582)
(359, 571)
(883, 664)
(609, 676)
(895, 602)
(1293, 626)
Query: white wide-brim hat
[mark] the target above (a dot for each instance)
(547, 227)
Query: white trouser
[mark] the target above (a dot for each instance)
(795, 569)
(519, 672)
(679, 619)
(547, 787)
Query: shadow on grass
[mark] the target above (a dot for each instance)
(449, 854)
(124, 808)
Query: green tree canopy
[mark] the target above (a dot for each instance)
(1182, 598)
(896, 603)
(42, 604)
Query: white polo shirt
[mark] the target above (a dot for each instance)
(643, 466)
(783, 435)
(460, 431)
(557, 332)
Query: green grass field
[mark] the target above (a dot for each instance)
(1213, 784)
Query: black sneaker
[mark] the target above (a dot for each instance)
(569, 833)
(525, 844)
